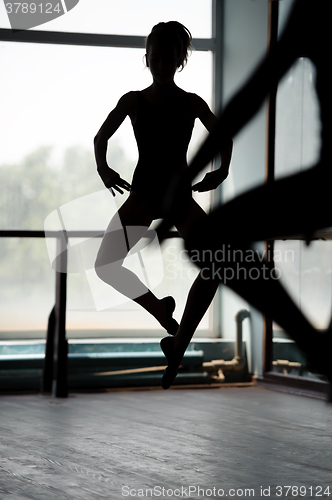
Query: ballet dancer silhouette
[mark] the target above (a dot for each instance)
(162, 117)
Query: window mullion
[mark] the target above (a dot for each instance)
(91, 39)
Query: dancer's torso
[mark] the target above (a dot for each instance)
(163, 132)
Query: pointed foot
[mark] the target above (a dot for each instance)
(167, 345)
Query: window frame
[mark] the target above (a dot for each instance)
(213, 44)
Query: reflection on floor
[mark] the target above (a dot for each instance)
(181, 443)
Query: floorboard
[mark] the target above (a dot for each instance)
(133, 444)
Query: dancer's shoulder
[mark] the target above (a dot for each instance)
(128, 99)
(199, 107)
(127, 105)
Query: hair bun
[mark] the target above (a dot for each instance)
(182, 38)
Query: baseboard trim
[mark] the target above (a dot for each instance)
(317, 389)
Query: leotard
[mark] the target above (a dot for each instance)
(162, 132)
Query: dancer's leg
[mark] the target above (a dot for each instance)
(126, 228)
(203, 289)
(199, 299)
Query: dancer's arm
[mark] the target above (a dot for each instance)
(110, 177)
(212, 179)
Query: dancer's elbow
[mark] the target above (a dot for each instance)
(97, 139)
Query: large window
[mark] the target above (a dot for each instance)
(305, 270)
(54, 99)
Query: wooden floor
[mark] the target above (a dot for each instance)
(133, 444)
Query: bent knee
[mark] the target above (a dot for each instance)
(107, 260)
(108, 270)
(112, 250)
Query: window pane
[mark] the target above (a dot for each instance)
(305, 271)
(128, 17)
(54, 99)
(27, 288)
(297, 123)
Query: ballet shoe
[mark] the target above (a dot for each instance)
(173, 362)
(168, 378)
(171, 324)
(166, 347)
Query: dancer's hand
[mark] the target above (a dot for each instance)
(113, 181)
(211, 180)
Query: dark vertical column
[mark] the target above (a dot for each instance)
(60, 346)
(217, 35)
(270, 168)
(217, 81)
(48, 361)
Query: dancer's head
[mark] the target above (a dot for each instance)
(167, 49)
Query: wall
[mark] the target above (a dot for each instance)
(245, 42)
